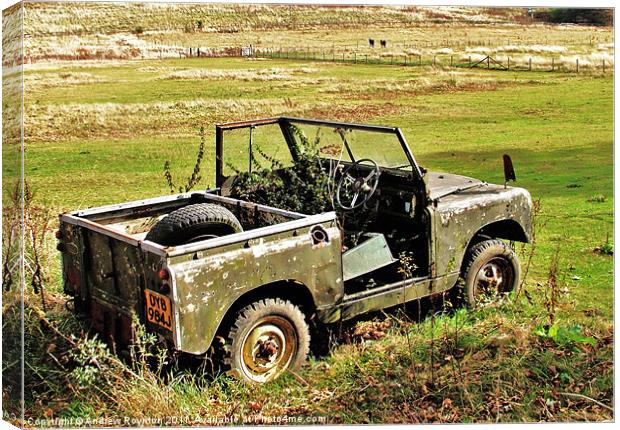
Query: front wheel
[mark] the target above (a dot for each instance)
(267, 338)
(492, 270)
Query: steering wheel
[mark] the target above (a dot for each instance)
(364, 186)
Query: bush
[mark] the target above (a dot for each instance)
(302, 187)
(582, 16)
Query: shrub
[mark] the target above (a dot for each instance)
(582, 16)
(303, 187)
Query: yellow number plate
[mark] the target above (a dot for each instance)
(158, 309)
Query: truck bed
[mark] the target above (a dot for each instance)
(110, 269)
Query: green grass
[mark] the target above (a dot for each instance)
(557, 128)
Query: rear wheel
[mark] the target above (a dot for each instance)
(193, 223)
(491, 271)
(267, 338)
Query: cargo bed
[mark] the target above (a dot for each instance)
(112, 271)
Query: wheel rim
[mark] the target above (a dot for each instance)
(268, 348)
(219, 231)
(494, 279)
(202, 237)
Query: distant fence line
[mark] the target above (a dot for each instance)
(519, 63)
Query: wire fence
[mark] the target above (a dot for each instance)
(524, 62)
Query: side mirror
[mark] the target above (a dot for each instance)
(509, 171)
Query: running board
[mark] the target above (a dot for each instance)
(394, 294)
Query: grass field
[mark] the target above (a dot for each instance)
(99, 133)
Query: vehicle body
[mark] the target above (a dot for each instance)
(190, 293)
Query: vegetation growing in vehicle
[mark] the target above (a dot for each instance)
(302, 187)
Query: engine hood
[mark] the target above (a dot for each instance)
(442, 184)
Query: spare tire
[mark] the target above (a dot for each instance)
(194, 223)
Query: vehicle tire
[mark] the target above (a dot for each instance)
(491, 270)
(194, 223)
(266, 338)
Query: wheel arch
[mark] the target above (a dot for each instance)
(287, 289)
(507, 229)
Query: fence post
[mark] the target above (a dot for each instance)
(366, 55)
(553, 64)
(508, 63)
(392, 59)
(577, 62)
(470, 61)
(419, 59)
(355, 57)
(488, 62)
(603, 66)
(343, 57)
(434, 60)
(451, 60)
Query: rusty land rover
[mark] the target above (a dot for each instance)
(200, 266)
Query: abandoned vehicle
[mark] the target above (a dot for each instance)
(311, 222)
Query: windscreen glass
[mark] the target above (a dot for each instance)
(261, 147)
(350, 145)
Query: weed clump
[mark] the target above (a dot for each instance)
(195, 177)
(606, 248)
(303, 187)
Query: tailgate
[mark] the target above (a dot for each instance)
(107, 273)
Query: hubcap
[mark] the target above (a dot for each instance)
(268, 348)
(493, 279)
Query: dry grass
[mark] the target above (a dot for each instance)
(12, 36)
(533, 49)
(269, 74)
(60, 79)
(79, 18)
(77, 121)
(110, 31)
(116, 46)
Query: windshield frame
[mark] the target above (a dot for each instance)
(284, 121)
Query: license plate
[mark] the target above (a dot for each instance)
(158, 309)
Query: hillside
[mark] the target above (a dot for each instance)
(104, 18)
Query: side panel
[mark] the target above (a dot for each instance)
(458, 217)
(208, 282)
